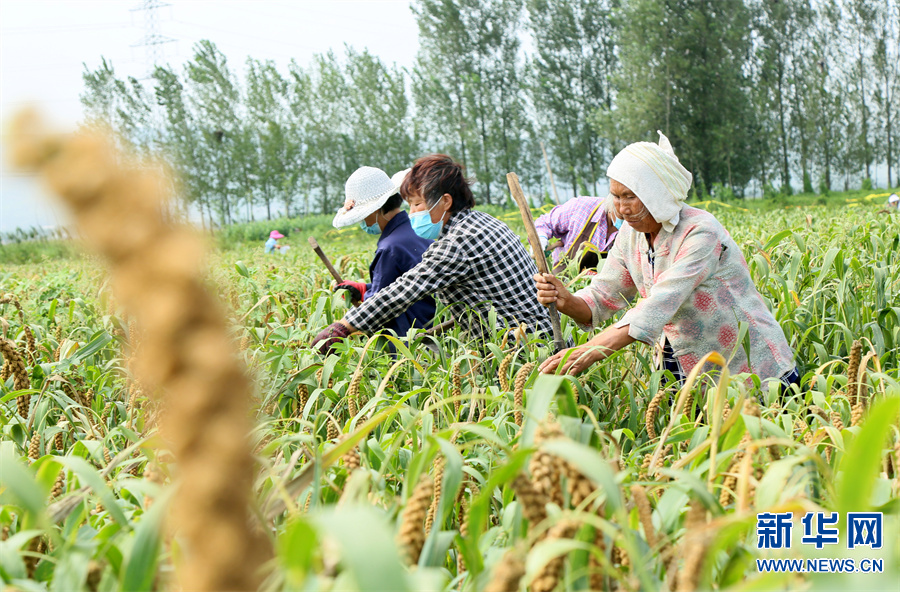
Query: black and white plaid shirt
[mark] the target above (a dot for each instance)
(476, 263)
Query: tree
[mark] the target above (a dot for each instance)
(215, 98)
(181, 139)
(468, 87)
(272, 150)
(683, 69)
(569, 79)
(378, 111)
(886, 62)
(123, 106)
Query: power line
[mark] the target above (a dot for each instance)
(152, 39)
(61, 28)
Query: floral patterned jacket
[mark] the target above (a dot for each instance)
(696, 287)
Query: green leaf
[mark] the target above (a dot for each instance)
(859, 467)
(18, 481)
(545, 389)
(140, 569)
(297, 545)
(92, 478)
(97, 342)
(367, 547)
(592, 465)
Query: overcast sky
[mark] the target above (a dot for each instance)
(44, 45)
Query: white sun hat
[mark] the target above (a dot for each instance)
(397, 178)
(367, 189)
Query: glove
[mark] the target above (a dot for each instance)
(357, 290)
(333, 333)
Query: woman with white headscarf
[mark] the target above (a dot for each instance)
(693, 281)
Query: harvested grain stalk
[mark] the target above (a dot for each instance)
(187, 350)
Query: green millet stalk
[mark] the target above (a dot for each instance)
(34, 447)
(853, 371)
(411, 536)
(456, 389)
(645, 513)
(59, 486)
(503, 371)
(652, 411)
(544, 467)
(837, 421)
(548, 577)
(20, 376)
(302, 398)
(436, 498)
(533, 502)
(519, 394)
(507, 574)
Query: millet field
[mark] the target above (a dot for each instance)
(165, 424)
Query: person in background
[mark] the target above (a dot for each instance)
(476, 266)
(373, 201)
(894, 201)
(272, 244)
(694, 283)
(587, 224)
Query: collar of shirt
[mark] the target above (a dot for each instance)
(454, 218)
(393, 224)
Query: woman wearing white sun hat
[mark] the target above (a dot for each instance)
(477, 266)
(373, 201)
(693, 281)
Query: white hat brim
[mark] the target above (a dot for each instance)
(361, 211)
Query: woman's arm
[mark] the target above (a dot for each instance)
(550, 290)
(579, 359)
(444, 263)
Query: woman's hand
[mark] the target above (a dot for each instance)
(579, 359)
(550, 290)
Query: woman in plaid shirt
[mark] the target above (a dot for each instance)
(477, 267)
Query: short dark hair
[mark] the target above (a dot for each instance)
(436, 174)
(392, 203)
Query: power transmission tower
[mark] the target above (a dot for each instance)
(152, 39)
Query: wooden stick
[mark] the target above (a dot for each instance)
(438, 329)
(549, 170)
(315, 247)
(516, 190)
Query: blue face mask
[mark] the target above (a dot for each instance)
(423, 226)
(618, 223)
(373, 229)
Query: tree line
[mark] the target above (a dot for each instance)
(772, 96)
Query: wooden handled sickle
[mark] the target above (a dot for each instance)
(315, 247)
(516, 190)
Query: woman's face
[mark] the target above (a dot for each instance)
(417, 203)
(631, 209)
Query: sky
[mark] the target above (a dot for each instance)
(46, 44)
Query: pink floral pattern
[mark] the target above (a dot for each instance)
(697, 292)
